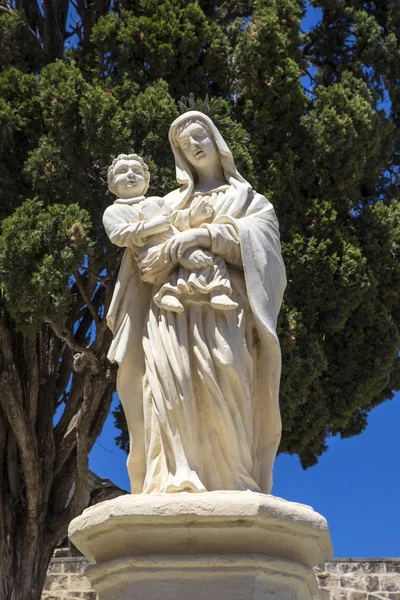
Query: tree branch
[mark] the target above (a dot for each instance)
(33, 16)
(3, 441)
(64, 372)
(70, 494)
(11, 399)
(5, 7)
(71, 407)
(82, 289)
(12, 466)
(69, 339)
(32, 381)
(82, 451)
(94, 386)
(101, 416)
(26, 442)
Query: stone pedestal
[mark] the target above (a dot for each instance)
(211, 546)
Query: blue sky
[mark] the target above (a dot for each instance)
(356, 484)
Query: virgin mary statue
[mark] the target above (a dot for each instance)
(200, 387)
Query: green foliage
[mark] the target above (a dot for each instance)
(173, 40)
(20, 124)
(19, 47)
(39, 250)
(313, 122)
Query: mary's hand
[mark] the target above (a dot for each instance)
(184, 240)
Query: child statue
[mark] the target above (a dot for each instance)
(146, 225)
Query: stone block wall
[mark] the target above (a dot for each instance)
(359, 579)
(338, 579)
(66, 580)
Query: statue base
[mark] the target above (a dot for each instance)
(216, 545)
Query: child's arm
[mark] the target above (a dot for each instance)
(156, 225)
(124, 228)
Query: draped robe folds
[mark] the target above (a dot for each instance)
(200, 389)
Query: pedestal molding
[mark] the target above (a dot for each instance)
(225, 545)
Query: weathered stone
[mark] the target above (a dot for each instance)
(393, 566)
(61, 552)
(236, 545)
(79, 583)
(328, 580)
(372, 583)
(339, 594)
(347, 567)
(354, 582)
(358, 596)
(89, 596)
(56, 581)
(390, 583)
(320, 568)
(365, 566)
(75, 566)
(331, 566)
(55, 567)
(372, 566)
(327, 575)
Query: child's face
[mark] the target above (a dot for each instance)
(129, 180)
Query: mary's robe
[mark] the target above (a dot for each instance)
(245, 233)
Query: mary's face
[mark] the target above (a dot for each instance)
(198, 147)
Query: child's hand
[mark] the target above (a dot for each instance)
(195, 258)
(201, 213)
(156, 225)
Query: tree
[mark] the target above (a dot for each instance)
(312, 119)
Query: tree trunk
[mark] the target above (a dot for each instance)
(44, 468)
(23, 578)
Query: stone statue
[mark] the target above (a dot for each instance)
(194, 317)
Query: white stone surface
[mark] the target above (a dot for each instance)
(199, 358)
(236, 545)
(206, 578)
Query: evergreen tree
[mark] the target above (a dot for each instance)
(313, 122)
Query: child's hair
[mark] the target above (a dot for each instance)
(110, 172)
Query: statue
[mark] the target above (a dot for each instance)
(194, 317)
